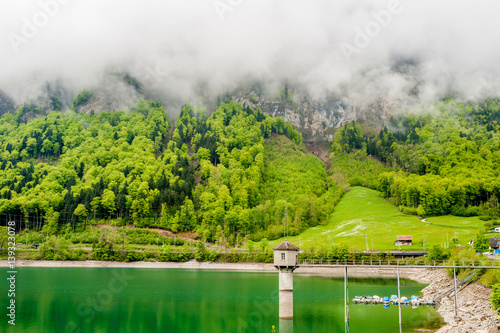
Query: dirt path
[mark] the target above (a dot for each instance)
(321, 153)
(167, 233)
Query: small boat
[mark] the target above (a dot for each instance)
(415, 300)
(368, 299)
(357, 299)
(394, 299)
(405, 301)
(376, 299)
(386, 301)
(426, 302)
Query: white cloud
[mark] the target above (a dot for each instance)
(454, 45)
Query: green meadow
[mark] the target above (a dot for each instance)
(363, 218)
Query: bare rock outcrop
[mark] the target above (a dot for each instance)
(474, 308)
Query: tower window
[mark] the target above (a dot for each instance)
(282, 256)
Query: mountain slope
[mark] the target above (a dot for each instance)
(204, 174)
(362, 217)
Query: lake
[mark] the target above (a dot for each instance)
(179, 300)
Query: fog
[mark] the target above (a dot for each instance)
(358, 49)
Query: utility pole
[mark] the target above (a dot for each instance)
(455, 286)
(399, 299)
(285, 231)
(346, 300)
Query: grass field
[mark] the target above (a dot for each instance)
(362, 214)
(456, 221)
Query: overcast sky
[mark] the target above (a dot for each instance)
(346, 46)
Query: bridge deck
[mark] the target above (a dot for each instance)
(394, 266)
(490, 264)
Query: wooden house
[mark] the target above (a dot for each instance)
(404, 240)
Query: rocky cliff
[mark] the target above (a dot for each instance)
(317, 119)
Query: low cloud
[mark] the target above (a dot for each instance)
(405, 50)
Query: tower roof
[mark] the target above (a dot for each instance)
(286, 246)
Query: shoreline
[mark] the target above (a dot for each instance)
(474, 308)
(475, 314)
(255, 267)
(414, 274)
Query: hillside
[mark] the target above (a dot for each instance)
(445, 159)
(219, 176)
(294, 176)
(362, 217)
(236, 174)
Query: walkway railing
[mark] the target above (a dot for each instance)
(458, 285)
(401, 263)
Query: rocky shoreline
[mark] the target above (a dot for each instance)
(474, 308)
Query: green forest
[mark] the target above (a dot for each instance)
(443, 159)
(235, 174)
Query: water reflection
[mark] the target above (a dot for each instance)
(286, 326)
(178, 301)
(286, 304)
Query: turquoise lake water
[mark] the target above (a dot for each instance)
(99, 300)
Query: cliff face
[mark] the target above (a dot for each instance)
(318, 120)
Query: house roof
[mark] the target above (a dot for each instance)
(286, 246)
(405, 237)
(494, 242)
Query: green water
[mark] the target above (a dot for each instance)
(175, 300)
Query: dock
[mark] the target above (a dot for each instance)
(394, 300)
(401, 263)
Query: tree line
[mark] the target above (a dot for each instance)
(209, 174)
(443, 160)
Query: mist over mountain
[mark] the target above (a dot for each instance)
(6, 104)
(359, 54)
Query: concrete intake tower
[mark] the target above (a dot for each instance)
(286, 260)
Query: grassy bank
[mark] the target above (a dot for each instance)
(362, 216)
